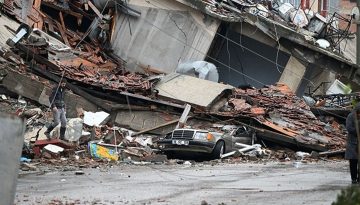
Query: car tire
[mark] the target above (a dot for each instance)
(169, 155)
(218, 150)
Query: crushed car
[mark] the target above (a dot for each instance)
(211, 143)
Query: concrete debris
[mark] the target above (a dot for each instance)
(283, 20)
(281, 111)
(47, 47)
(95, 119)
(54, 148)
(202, 69)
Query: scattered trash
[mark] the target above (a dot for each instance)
(54, 148)
(24, 159)
(101, 152)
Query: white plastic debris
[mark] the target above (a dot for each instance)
(301, 155)
(144, 141)
(205, 70)
(73, 131)
(94, 119)
(187, 163)
(85, 133)
(53, 148)
(3, 97)
(323, 43)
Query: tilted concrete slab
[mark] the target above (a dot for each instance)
(188, 89)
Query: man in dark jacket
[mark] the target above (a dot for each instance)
(58, 108)
(351, 153)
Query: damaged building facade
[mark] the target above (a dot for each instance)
(124, 58)
(252, 47)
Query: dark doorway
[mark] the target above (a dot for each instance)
(246, 61)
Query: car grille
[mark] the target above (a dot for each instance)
(183, 134)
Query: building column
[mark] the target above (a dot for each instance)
(293, 74)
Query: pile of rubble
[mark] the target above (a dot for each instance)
(277, 108)
(46, 49)
(321, 29)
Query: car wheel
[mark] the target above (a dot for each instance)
(169, 155)
(219, 150)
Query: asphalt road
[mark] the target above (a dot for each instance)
(252, 184)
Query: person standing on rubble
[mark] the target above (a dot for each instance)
(58, 108)
(351, 153)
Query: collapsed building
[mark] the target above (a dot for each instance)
(121, 58)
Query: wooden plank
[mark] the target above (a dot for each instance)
(50, 25)
(335, 152)
(63, 35)
(62, 21)
(37, 4)
(283, 139)
(67, 11)
(93, 7)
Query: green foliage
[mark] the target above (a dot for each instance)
(348, 196)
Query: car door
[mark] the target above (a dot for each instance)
(242, 135)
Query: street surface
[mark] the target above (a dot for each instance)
(199, 183)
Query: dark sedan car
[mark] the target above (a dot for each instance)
(215, 144)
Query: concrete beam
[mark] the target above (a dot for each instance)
(39, 91)
(141, 120)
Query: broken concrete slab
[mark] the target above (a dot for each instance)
(188, 89)
(38, 89)
(142, 120)
(95, 119)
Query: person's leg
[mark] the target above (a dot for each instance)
(56, 121)
(353, 170)
(63, 124)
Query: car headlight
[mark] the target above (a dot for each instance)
(203, 136)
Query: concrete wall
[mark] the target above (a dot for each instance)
(141, 120)
(313, 79)
(293, 74)
(166, 32)
(11, 141)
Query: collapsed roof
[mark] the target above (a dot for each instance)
(276, 109)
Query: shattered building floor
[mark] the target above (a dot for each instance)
(118, 119)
